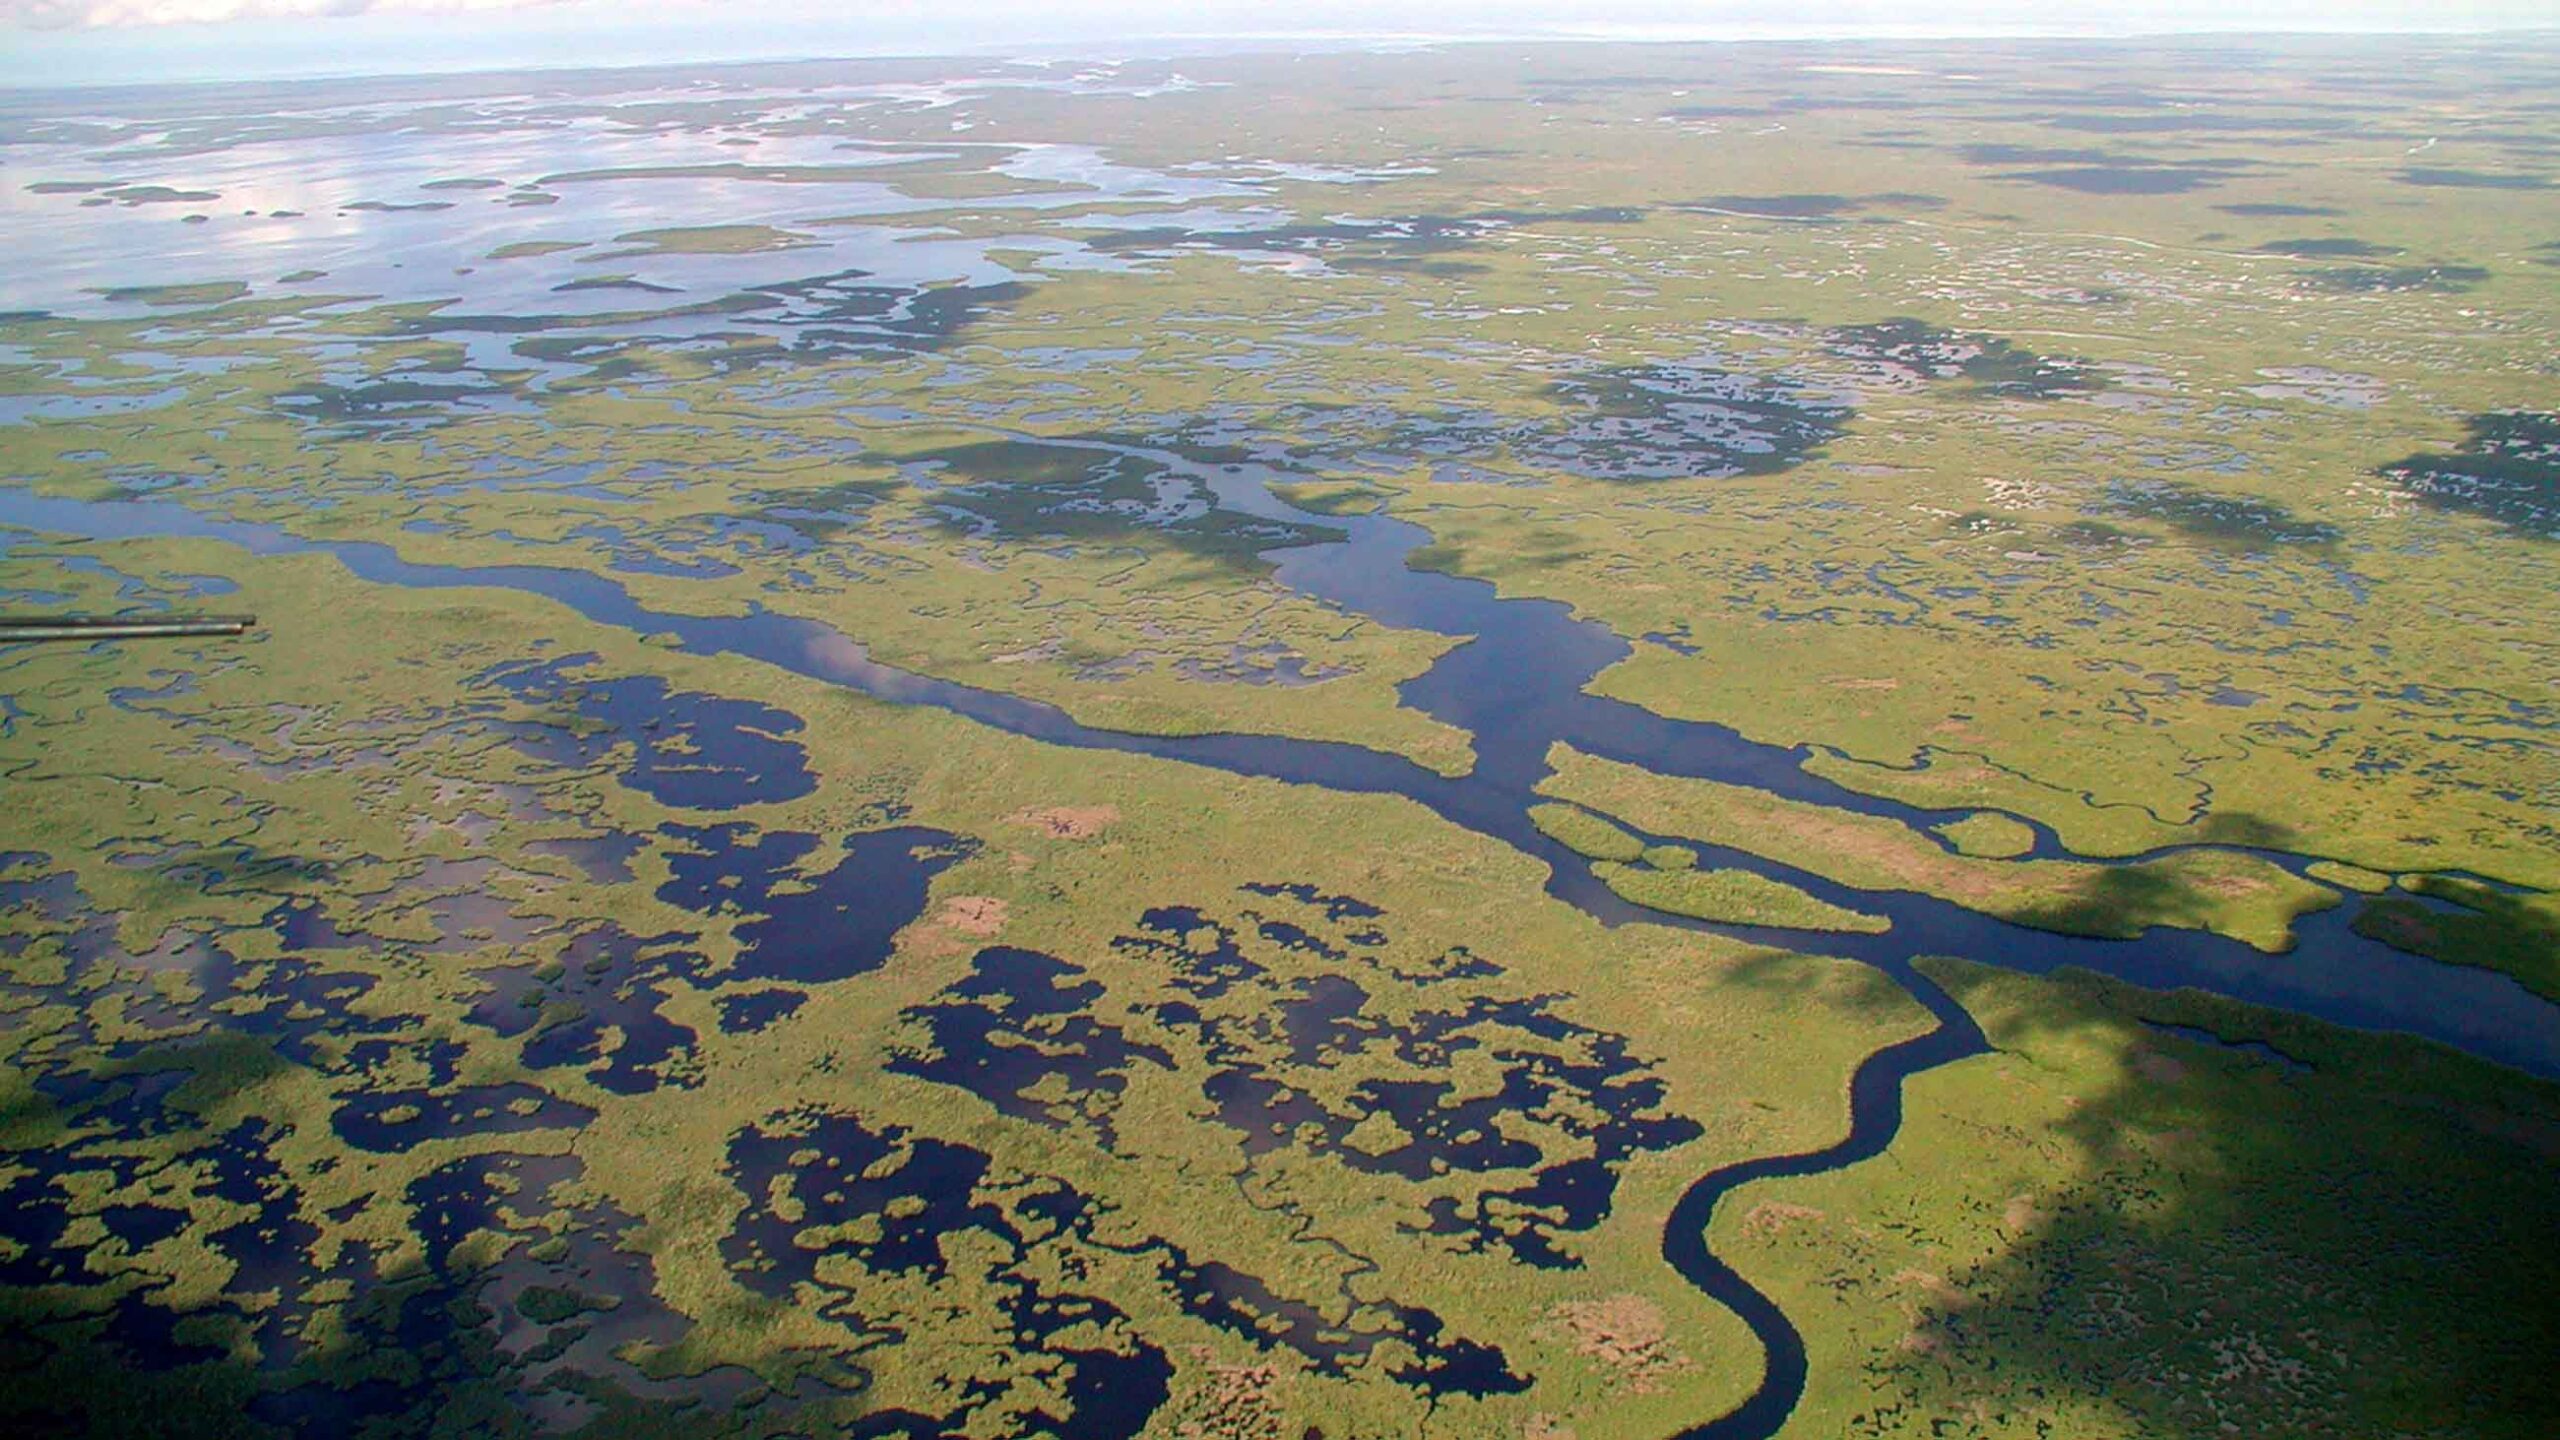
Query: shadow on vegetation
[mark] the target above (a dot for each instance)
(1813, 207)
(1025, 490)
(816, 320)
(1414, 265)
(2120, 900)
(2118, 180)
(2472, 179)
(1668, 421)
(2107, 172)
(394, 400)
(2354, 1244)
(825, 512)
(1399, 243)
(2307, 249)
(2518, 933)
(2243, 522)
(2508, 471)
(2198, 121)
(1933, 352)
(2393, 279)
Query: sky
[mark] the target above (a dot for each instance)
(56, 42)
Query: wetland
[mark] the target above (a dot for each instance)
(975, 748)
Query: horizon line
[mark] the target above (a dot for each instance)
(1125, 50)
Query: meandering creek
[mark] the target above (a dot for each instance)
(1517, 685)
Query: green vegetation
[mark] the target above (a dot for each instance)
(1323, 499)
(434, 1003)
(707, 240)
(2229, 893)
(1736, 897)
(529, 249)
(2110, 1229)
(419, 819)
(1584, 833)
(173, 296)
(2347, 877)
(1990, 835)
(1670, 857)
(2516, 933)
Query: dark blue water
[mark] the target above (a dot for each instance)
(1875, 1115)
(1517, 685)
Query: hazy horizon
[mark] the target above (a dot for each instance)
(56, 43)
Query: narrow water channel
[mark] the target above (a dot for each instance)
(1516, 684)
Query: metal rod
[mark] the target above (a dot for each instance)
(112, 627)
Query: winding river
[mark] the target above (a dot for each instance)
(1516, 683)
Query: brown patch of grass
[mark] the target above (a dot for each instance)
(974, 916)
(1926, 1331)
(1941, 1294)
(1772, 1217)
(1906, 862)
(1235, 1403)
(1068, 822)
(1628, 1335)
(980, 915)
(2020, 1214)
